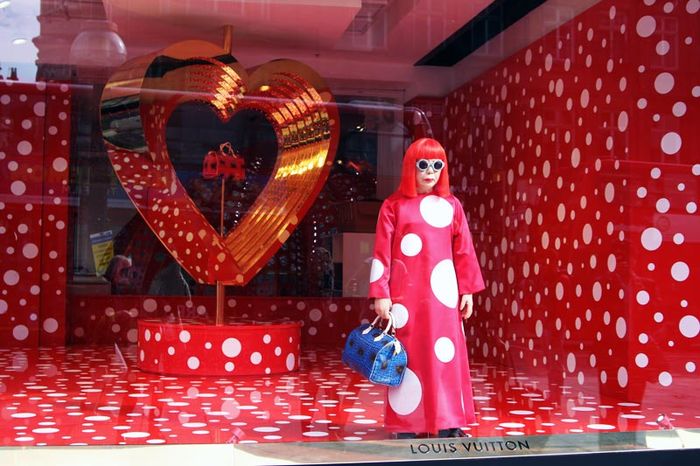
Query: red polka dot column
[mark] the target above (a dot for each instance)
(54, 227)
(34, 128)
(22, 113)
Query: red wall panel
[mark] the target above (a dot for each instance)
(577, 160)
(34, 125)
(54, 227)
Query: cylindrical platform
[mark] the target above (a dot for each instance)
(236, 348)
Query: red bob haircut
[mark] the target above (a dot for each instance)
(424, 148)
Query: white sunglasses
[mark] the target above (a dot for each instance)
(424, 164)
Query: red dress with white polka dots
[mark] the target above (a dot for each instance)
(424, 260)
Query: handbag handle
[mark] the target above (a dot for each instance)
(389, 325)
(226, 149)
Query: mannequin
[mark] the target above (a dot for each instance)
(424, 272)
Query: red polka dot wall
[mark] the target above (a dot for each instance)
(578, 162)
(34, 157)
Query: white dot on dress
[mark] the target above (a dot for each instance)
(400, 314)
(405, 398)
(436, 211)
(444, 349)
(443, 283)
(376, 271)
(411, 245)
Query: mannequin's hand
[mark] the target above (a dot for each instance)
(466, 306)
(382, 306)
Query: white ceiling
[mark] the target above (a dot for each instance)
(377, 61)
(401, 30)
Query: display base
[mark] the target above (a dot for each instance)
(235, 348)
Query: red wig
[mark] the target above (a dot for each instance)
(424, 148)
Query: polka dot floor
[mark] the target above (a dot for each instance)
(97, 396)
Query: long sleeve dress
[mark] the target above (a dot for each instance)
(423, 261)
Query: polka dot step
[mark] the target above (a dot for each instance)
(236, 348)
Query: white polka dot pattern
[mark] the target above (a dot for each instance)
(569, 209)
(193, 348)
(34, 212)
(271, 408)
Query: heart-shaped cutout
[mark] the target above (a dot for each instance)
(136, 105)
(252, 140)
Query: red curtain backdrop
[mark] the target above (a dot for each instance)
(34, 160)
(577, 159)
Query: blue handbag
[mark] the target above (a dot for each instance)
(376, 354)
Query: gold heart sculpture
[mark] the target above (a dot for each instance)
(135, 107)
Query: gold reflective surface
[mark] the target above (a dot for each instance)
(136, 105)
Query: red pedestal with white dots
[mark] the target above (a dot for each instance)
(236, 348)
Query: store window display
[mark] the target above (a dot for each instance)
(424, 273)
(570, 146)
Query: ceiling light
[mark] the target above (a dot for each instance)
(4, 4)
(19, 41)
(98, 45)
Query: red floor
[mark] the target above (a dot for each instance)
(90, 395)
